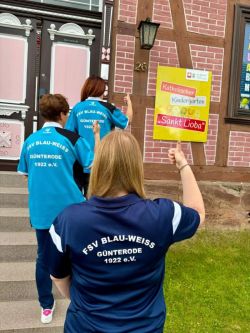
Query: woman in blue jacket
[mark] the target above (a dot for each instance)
(53, 159)
(93, 108)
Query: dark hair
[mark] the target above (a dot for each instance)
(51, 106)
(94, 86)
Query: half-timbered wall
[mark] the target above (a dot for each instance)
(193, 34)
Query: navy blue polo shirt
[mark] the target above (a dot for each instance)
(114, 249)
(84, 113)
(53, 158)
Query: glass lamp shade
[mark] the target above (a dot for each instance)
(147, 31)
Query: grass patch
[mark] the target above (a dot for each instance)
(207, 284)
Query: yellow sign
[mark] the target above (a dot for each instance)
(182, 104)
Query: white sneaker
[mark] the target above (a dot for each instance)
(47, 314)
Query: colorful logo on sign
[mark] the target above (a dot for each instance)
(182, 104)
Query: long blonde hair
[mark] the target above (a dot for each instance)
(117, 166)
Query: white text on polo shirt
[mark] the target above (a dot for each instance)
(119, 252)
(46, 156)
(48, 143)
(118, 238)
(102, 114)
(129, 238)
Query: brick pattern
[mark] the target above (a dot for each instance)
(211, 59)
(156, 151)
(127, 11)
(124, 64)
(163, 53)
(162, 14)
(239, 149)
(206, 17)
(210, 145)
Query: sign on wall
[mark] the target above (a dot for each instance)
(11, 139)
(182, 104)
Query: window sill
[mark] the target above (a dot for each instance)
(243, 121)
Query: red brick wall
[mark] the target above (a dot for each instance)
(206, 17)
(124, 64)
(162, 13)
(156, 151)
(127, 11)
(163, 53)
(239, 149)
(210, 59)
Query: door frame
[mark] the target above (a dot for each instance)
(48, 11)
(41, 11)
(46, 47)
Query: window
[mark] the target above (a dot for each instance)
(239, 91)
(94, 5)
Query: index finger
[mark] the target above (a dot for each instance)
(178, 145)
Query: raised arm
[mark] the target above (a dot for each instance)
(96, 131)
(129, 112)
(191, 193)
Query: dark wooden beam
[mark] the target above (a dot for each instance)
(211, 173)
(223, 127)
(140, 78)
(182, 42)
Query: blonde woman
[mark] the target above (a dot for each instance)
(108, 254)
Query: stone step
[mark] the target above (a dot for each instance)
(17, 246)
(14, 219)
(12, 179)
(24, 317)
(13, 197)
(17, 282)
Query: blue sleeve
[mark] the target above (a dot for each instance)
(119, 119)
(57, 250)
(72, 123)
(22, 165)
(187, 221)
(84, 153)
(184, 221)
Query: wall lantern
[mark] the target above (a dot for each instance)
(147, 31)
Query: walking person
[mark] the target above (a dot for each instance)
(53, 159)
(107, 255)
(93, 108)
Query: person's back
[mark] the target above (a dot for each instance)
(110, 257)
(51, 158)
(93, 108)
(118, 249)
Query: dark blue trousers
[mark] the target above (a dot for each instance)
(43, 280)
